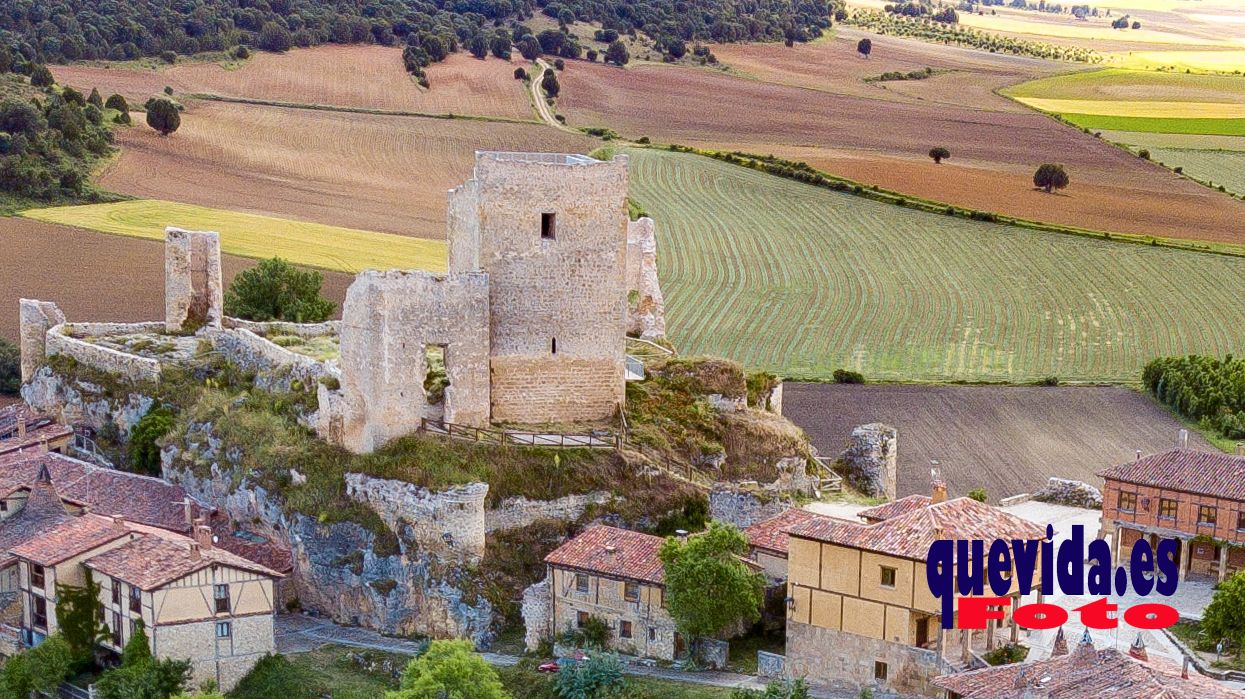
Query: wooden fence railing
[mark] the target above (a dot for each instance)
(598, 439)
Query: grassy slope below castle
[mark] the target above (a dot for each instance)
(800, 280)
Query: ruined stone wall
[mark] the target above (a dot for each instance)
(519, 512)
(251, 352)
(646, 308)
(537, 614)
(129, 366)
(193, 283)
(388, 320)
(35, 319)
(869, 462)
(451, 520)
(557, 303)
(280, 327)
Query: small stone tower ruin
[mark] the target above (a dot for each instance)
(193, 288)
(550, 231)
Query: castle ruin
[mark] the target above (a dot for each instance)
(547, 275)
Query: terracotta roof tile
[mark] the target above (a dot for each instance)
(618, 553)
(138, 498)
(157, 558)
(909, 535)
(771, 534)
(39, 428)
(42, 511)
(72, 537)
(1085, 673)
(902, 506)
(1188, 470)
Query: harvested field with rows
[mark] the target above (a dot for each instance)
(363, 76)
(801, 281)
(95, 276)
(1006, 439)
(379, 173)
(884, 141)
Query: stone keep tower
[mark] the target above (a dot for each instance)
(193, 288)
(550, 230)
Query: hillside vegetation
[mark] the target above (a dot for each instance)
(800, 280)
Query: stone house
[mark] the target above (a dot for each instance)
(1085, 673)
(1193, 496)
(614, 575)
(196, 601)
(859, 613)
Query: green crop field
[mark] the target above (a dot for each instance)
(249, 235)
(1210, 127)
(802, 280)
(1217, 167)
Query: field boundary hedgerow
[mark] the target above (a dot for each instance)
(211, 97)
(803, 172)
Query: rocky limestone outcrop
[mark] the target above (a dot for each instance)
(1061, 491)
(340, 568)
(869, 462)
(78, 402)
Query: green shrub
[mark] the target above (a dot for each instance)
(277, 290)
(978, 494)
(10, 367)
(144, 451)
(848, 376)
(1051, 381)
(1006, 654)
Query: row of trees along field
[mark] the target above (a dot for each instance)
(1207, 389)
(67, 30)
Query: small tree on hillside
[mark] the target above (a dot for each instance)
(162, 115)
(277, 290)
(549, 84)
(711, 561)
(95, 98)
(865, 47)
(144, 452)
(616, 53)
(1225, 615)
(122, 108)
(1050, 176)
(449, 669)
(40, 76)
(939, 154)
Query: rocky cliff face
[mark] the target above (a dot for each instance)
(341, 569)
(76, 401)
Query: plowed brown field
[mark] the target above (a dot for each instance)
(1006, 439)
(803, 103)
(381, 173)
(363, 76)
(94, 276)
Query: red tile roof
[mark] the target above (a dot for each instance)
(771, 534)
(155, 559)
(618, 553)
(42, 510)
(138, 498)
(1085, 673)
(267, 553)
(72, 537)
(1188, 470)
(902, 506)
(39, 428)
(909, 535)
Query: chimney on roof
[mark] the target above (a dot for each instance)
(43, 445)
(195, 551)
(681, 534)
(1138, 649)
(1139, 455)
(118, 521)
(939, 492)
(21, 427)
(188, 511)
(203, 535)
(1240, 448)
(1182, 438)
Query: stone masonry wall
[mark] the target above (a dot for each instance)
(193, 284)
(279, 327)
(221, 660)
(388, 320)
(35, 318)
(254, 353)
(646, 308)
(537, 614)
(845, 661)
(129, 366)
(451, 520)
(519, 512)
(870, 460)
(557, 305)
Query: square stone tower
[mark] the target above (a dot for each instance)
(550, 230)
